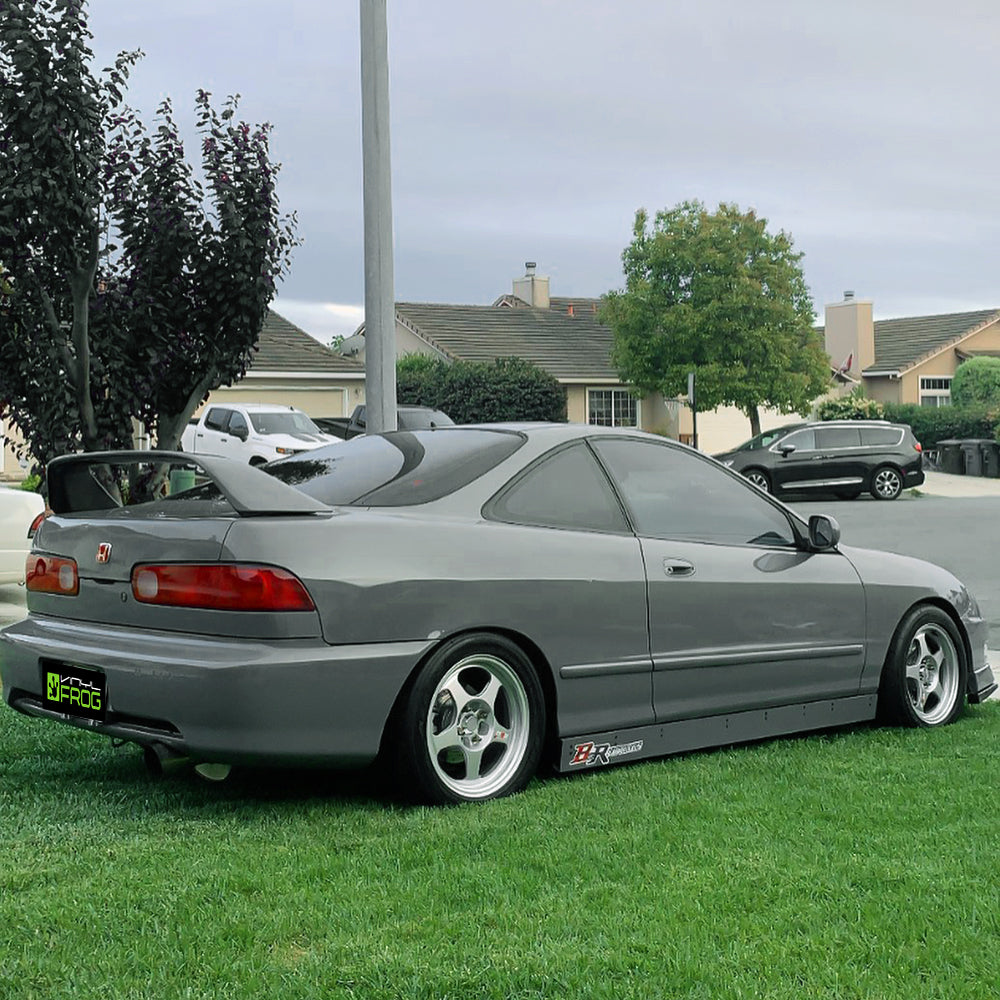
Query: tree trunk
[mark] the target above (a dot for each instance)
(754, 416)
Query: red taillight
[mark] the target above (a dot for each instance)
(51, 575)
(916, 444)
(36, 523)
(221, 587)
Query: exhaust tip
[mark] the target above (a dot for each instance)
(160, 760)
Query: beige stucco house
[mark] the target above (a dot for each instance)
(910, 359)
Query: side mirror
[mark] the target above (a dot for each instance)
(824, 532)
(786, 450)
(241, 432)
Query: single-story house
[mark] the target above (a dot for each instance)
(911, 359)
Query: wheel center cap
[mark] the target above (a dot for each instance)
(475, 725)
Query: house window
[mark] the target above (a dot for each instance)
(935, 390)
(612, 408)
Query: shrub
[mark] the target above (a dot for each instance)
(854, 406)
(932, 424)
(977, 383)
(481, 391)
(32, 483)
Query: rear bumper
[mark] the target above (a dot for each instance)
(292, 701)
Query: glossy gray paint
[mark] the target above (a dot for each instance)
(620, 643)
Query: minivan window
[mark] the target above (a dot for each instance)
(881, 435)
(838, 437)
(804, 440)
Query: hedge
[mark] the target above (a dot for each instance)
(472, 392)
(932, 424)
(977, 383)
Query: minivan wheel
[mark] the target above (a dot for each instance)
(887, 483)
(759, 478)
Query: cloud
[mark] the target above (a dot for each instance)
(322, 320)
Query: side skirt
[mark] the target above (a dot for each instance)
(578, 753)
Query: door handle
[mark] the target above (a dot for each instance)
(677, 567)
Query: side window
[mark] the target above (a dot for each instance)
(804, 440)
(673, 494)
(881, 435)
(565, 490)
(838, 437)
(238, 424)
(216, 418)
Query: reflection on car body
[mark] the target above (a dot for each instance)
(465, 602)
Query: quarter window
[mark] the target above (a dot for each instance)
(612, 408)
(566, 490)
(881, 435)
(670, 493)
(935, 390)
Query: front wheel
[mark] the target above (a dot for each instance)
(924, 678)
(759, 478)
(472, 726)
(887, 483)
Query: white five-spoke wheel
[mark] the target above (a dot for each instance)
(472, 726)
(887, 483)
(924, 680)
(759, 478)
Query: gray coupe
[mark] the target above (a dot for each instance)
(464, 603)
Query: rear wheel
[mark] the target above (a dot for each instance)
(924, 678)
(759, 478)
(887, 483)
(472, 726)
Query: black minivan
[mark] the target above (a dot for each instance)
(843, 457)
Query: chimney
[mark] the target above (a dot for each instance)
(850, 332)
(532, 288)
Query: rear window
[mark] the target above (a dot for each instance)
(838, 437)
(397, 469)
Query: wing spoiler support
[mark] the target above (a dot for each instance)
(250, 492)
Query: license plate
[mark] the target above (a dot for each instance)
(74, 690)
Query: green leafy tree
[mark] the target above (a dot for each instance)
(132, 288)
(716, 294)
(977, 383)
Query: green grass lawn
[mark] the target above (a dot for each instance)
(860, 863)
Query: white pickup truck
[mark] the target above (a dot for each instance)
(252, 432)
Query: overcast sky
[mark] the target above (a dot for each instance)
(534, 130)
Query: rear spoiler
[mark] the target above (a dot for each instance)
(73, 486)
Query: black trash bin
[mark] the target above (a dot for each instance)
(991, 458)
(973, 453)
(950, 457)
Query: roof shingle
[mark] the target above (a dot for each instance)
(284, 347)
(901, 343)
(566, 346)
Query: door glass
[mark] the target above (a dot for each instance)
(216, 418)
(237, 424)
(671, 493)
(838, 437)
(804, 440)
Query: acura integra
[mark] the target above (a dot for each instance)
(466, 603)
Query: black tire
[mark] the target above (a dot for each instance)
(759, 478)
(886, 483)
(472, 725)
(926, 672)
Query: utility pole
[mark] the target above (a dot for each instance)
(380, 307)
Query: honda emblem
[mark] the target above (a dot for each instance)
(104, 552)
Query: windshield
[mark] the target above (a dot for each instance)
(396, 469)
(283, 422)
